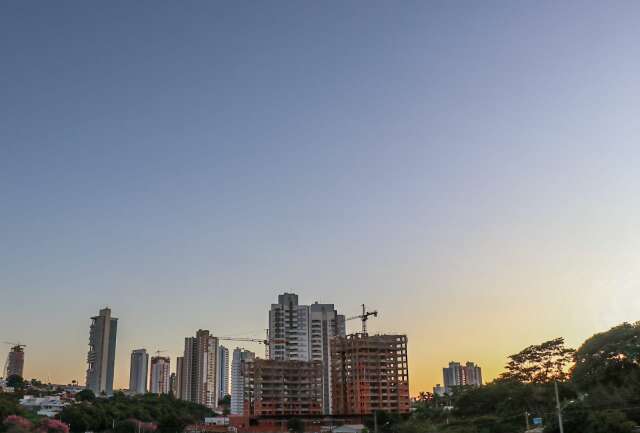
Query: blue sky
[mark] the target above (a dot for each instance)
(457, 165)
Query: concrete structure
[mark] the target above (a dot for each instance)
(461, 375)
(48, 406)
(240, 356)
(198, 370)
(278, 387)
(303, 332)
(102, 352)
(139, 371)
(370, 373)
(160, 375)
(438, 390)
(223, 372)
(15, 361)
(177, 392)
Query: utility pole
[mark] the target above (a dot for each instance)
(526, 420)
(555, 386)
(375, 421)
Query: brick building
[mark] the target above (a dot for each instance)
(370, 372)
(281, 387)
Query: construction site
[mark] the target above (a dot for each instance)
(370, 373)
(281, 387)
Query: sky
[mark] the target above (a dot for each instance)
(469, 169)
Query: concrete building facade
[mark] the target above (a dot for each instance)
(302, 333)
(223, 371)
(370, 373)
(199, 368)
(282, 388)
(456, 375)
(160, 375)
(102, 352)
(139, 371)
(240, 356)
(15, 362)
(177, 392)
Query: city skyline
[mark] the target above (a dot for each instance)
(468, 170)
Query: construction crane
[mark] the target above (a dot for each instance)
(266, 341)
(159, 351)
(364, 317)
(14, 344)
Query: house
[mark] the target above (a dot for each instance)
(48, 406)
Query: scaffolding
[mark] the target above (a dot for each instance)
(370, 373)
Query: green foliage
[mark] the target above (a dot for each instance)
(609, 358)
(15, 381)
(86, 395)
(295, 425)
(170, 415)
(9, 405)
(541, 363)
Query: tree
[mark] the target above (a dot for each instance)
(86, 395)
(295, 425)
(609, 358)
(15, 381)
(542, 363)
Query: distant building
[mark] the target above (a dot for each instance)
(49, 406)
(160, 375)
(172, 384)
(15, 361)
(461, 375)
(199, 369)
(370, 373)
(302, 333)
(240, 356)
(438, 390)
(138, 372)
(102, 352)
(177, 391)
(282, 388)
(223, 371)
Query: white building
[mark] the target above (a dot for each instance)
(302, 332)
(49, 406)
(138, 373)
(160, 373)
(223, 372)
(240, 356)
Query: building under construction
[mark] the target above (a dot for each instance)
(282, 387)
(15, 361)
(370, 373)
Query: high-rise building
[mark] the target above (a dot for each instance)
(223, 371)
(15, 361)
(289, 329)
(438, 390)
(461, 375)
(370, 373)
(102, 352)
(282, 388)
(173, 384)
(160, 375)
(177, 391)
(198, 370)
(240, 356)
(138, 373)
(302, 332)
